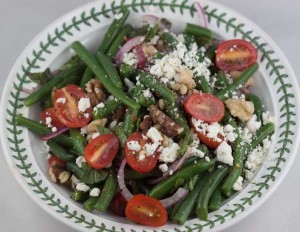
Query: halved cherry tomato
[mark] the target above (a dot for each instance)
(101, 151)
(211, 143)
(53, 161)
(118, 205)
(146, 210)
(205, 107)
(67, 110)
(144, 164)
(236, 54)
(55, 122)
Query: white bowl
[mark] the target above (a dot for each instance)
(26, 155)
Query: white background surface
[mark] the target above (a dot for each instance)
(21, 20)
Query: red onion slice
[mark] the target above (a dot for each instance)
(28, 91)
(150, 19)
(54, 134)
(202, 13)
(141, 57)
(135, 41)
(124, 190)
(173, 168)
(176, 197)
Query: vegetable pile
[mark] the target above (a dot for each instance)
(154, 125)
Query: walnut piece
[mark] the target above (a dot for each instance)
(179, 87)
(186, 77)
(168, 126)
(92, 127)
(95, 92)
(161, 104)
(237, 74)
(240, 108)
(119, 114)
(59, 174)
(146, 124)
(149, 50)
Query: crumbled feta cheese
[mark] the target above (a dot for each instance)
(86, 115)
(252, 124)
(49, 156)
(83, 130)
(95, 135)
(196, 152)
(48, 121)
(156, 70)
(224, 153)
(266, 144)
(154, 135)
(180, 38)
(95, 192)
(130, 59)
(80, 160)
(207, 158)
(150, 148)
(61, 100)
(100, 105)
(246, 135)
(142, 156)
(169, 154)
(238, 185)
(134, 145)
(147, 93)
(254, 159)
(248, 175)
(82, 187)
(113, 124)
(213, 130)
(266, 118)
(83, 104)
(54, 129)
(163, 167)
(74, 181)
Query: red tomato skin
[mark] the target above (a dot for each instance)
(146, 205)
(68, 113)
(110, 145)
(54, 161)
(205, 107)
(50, 112)
(211, 143)
(235, 48)
(118, 205)
(141, 166)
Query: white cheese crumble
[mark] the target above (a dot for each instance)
(61, 100)
(83, 104)
(150, 148)
(113, 124)
(54, 129)
(80, 160)
(130, 58)
(266, 118)
(134, 145)
(147, 93)
(224, 153)
(95, 192)
(82, 187)
(163, 167)
(238, 185)
(48, 121)
(74, 181)
(253, 125)
(207, 158)
(95, 135)
(154, 135)
(169, 154)
(118, 16)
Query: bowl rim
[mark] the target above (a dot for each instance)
(228, 223)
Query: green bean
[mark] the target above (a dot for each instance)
(222, 81)
(126, 71)
(143, 187)
(177, 114)
(78, 196)
(70, 80)
(215, 199)
(261, 134)
(133, 175)
(158, 56)
(143, 30)
(137, 93)
(245, 76)
(120, 133)
(47, 102)
(59, 151)
(73, 61)
(169, 39)
(237, 168)
(185, 142)
(187, 205)
(130, 122)
(203, 85)
(189, 40)
(73, 168)
(119, 41)
(159, 88)
(79, 141)
(197, 31)
(258, 109)
(113, 31)
(102, 75)
(109, 69)
(41, 129)
(40, 78)
(180, 176)
(109, 107)
(207, 190)
(107, 193)
(87, 76)
(46, 89)
(89, 204)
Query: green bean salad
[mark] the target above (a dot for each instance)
(153, 126)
